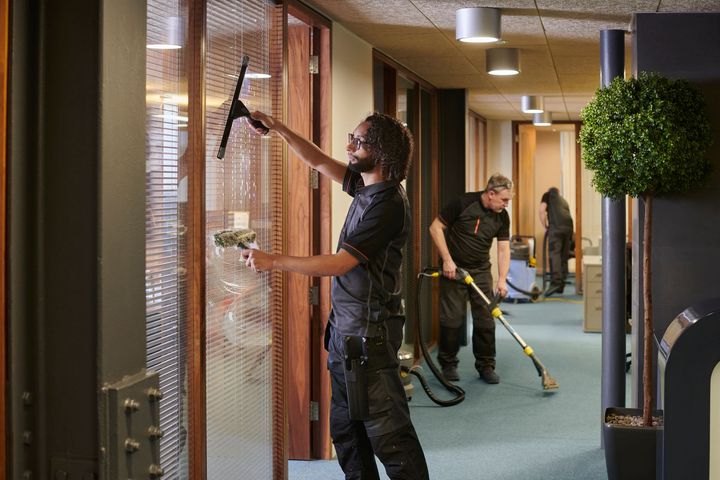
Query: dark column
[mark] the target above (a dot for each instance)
(681, 272)
(612, 64)
(76, 227)
(452, 113)
(451, 125)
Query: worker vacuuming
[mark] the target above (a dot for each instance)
(369, 413)
(463, 234)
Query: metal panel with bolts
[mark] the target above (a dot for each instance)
(130, 428)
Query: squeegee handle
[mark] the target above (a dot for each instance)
(258, 125)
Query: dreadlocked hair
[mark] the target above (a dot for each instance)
(392, 145)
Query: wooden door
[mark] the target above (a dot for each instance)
(308, 227)
(527, 160)
(525, 181)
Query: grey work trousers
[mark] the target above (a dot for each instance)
(388, 433)
(454, 296)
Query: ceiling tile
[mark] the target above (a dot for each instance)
(558, 41)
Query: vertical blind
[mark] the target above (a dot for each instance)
(166, 202)
(242, 191)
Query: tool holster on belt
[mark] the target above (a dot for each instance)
(355, 378)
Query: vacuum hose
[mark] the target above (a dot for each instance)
(534, 294)
(416, 370)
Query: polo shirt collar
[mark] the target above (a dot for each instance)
(377, 187)
(481, 202)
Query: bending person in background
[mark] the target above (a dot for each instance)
(555, 217)
(369, 413)
(463, 234)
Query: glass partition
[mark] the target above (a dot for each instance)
(243, 191)
(165, 224)
(233, 339)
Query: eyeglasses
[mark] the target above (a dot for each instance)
(356, 142)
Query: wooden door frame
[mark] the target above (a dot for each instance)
(318, 443)
(196, 267)
(578, 191)
(391, 70)
(4, 69)
(197, 438)
(480, 125)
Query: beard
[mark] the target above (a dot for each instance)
(362, 165)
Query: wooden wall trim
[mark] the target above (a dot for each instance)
(308, 15)
(197, 438)
(416, 202)
(279, 329)
(389, 90)
(280, 437)
(322, 446)
(578, 213)
(4, 28)
(298, 227)
(486, 174)
(480, 131)
(407, 73)
(435, 208)
(515, 175)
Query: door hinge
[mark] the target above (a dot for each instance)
(314, 411)
(314, 64)
(314, 295)
(314, 179)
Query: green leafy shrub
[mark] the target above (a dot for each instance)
(644, 137)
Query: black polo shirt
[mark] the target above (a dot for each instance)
(471, 230)
(558, 212)
(375, 231)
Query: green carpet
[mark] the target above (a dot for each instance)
(513, 430)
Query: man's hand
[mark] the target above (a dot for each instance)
(266, 120)
(257, 260)
(502, 288)
(449, 269)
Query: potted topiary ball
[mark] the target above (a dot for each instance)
(643, 137)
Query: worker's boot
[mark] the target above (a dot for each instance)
(448, 347)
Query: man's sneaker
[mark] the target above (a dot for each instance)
(488, 374)
(450, 373)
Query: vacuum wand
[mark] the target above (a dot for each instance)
(548, 382)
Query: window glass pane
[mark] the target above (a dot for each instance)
(166, 201)
(243, 190)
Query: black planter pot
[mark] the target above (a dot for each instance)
(632, 453)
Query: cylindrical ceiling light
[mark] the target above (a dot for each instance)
(502, 61)
(477, 24)
(543, 119)
(167, 36)
(532, 104)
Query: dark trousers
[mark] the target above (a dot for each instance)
(454, 296)
(559, 253)
(388, 433)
